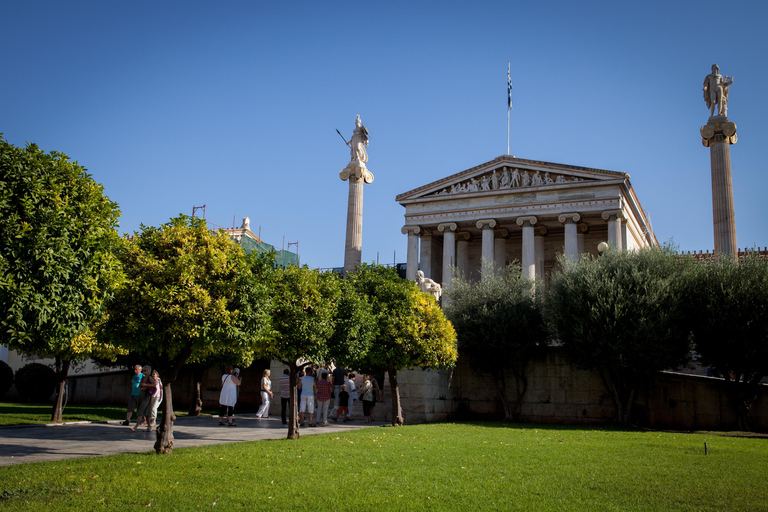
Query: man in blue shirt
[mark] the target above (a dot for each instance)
(135, 399)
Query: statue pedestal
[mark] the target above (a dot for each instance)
(357, 174)
(718, 135)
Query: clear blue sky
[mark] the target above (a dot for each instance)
(235, 104)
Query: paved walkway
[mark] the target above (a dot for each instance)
(69, 441)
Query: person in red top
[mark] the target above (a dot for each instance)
(324, 388)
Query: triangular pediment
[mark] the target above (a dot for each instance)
(509, 174)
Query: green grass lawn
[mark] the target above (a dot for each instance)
(434, 467)
(13, 413)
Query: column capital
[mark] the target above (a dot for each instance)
(463, 236)
(541, 231)
(448, 226)
(718, 132)
(612, 215)
(356, 171)
(486, 224)
(569, 218)
(408, 230)
(583, 227)
(529, 221)
(501, 233)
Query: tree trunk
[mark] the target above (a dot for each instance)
(501, 391)
(742, 395)
(293, 418)
(397, 411)
(62, 370)
(164, 442)
(196, 406)
(622, 393)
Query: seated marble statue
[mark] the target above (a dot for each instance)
(427, 285)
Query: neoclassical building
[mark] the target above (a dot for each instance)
(515, 209)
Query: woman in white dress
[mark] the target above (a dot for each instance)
(266, 395)
(228, 397)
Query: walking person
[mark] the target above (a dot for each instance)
(377, 396)
(308, 389)
(343, 404)
(352, 390)
(155, 397)
(285, 394)
(324, 388)
(366, 395)
(146, 399)
(228, 396)
(339, 375)
(266, 395)
(135, 399)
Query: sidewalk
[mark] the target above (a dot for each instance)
(69, 441)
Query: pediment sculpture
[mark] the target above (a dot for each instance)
(508, 178)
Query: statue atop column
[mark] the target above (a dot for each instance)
(359, 142)
(716, 91)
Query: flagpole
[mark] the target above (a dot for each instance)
(509, 101)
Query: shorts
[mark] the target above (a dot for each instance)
(307, 404)
(133, 403)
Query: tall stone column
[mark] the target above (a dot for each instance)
(357, 174)
(582, 229)
(613, 218)
(462, 254)
(571, 243)
(529, 250)
(449, 250)
(538, 246)
(412, 262)
(718, 135)
(425, 254)
(500, 250)
(487, 226)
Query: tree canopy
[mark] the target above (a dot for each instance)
(498, 321)
(189, 294)
(57, 236)
(727, 306)
(621, 314)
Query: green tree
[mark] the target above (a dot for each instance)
(57, 236)
(499, 324)
(621, 314)
(727, 306)
(411, 329)
(190, 293)
(304, 320)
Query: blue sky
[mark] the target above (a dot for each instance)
(235, 104)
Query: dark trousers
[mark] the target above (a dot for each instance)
(284, 409)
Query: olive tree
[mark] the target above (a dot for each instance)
(499, 324)
(621, 314)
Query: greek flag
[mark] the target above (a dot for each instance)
(509, 89)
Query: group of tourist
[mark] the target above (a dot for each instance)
(146, 396)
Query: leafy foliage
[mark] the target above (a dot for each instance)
(622, 315)
(499, 323)
(727, 305)
(35, 382)
(57, 236)
(189, 294)
(6, 378)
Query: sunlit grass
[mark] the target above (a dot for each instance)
(436, 467)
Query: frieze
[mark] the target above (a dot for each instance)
(508, 178)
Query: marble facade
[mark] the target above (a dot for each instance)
(515, 209)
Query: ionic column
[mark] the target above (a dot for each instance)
(425, 256)
(462, 254)
(613, 218)
(449, 250)
(412, 263)
(571, 245)
(718, 134)
(582, 229)
(500, 250)
(538, 243)
(529, 250)
(487, 226)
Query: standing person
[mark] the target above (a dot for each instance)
(324, 388)
(285, 394)
(366, 395)
(377, 396)
(266, 395)
(156, 397)
(352, 390)
(339, 375)
(146, 398)
(308, 389)
(343, 403)
(228, 396)
(135, 399)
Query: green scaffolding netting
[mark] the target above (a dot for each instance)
(283, 258)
